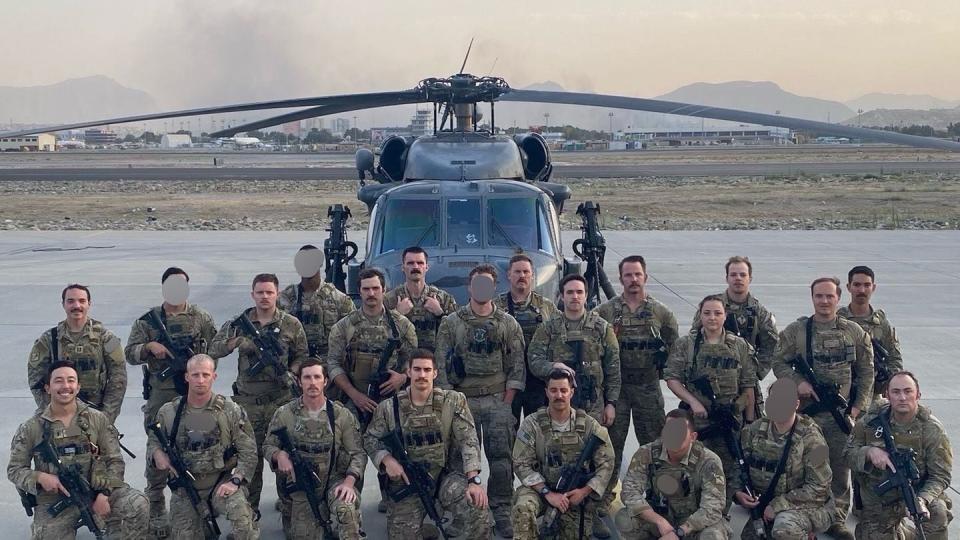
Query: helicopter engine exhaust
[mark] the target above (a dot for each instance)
(536, 156)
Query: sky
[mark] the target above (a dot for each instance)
(195, 53)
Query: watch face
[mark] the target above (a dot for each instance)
(236, 481)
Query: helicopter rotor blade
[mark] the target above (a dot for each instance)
(466, 56)
(359, 100)
(733, 115)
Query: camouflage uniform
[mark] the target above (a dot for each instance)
(878, 328)
(90, 441)
(542, 449)
(193, 329)
(530, 315)
(841, 351)
(696, 503)
(260, 395)
(491, 351)
(432, 434)
(98, 357)
(216, 442)
(425, 322)
(317, 311)
(640, 393)
(316, 442)
(881, 517)
(357, 341)
(802, 500)
(730, 369)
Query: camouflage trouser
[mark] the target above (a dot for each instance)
(793, 524)
(888, 523)
(717, 531)
(730, 468)
(345, 518)
(186, 522)
(129, 518)
(495, 430)
(645, 403)
(840, 485)
(156, 479)
(405, 518)
(259, 415)
(528, 505)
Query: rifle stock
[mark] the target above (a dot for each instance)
(421, 483)
(572, 476)
(81, 492)
(307, 480)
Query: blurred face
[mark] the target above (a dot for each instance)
(520, 276)
(422, 374)
(903, 395)
(861, 289)
(76, 305)
(371, 292)
(312, 381)
(574, 296)
(713, 315)
(63, 386)
(415, 266)
(633, 278)
(678, 435)
(482, 287)
(826, 298)
(738, 278)
(559, 394)
(264, 295)
(200, 376)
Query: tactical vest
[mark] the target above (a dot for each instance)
(718, 362)
(746, 318)
(72, 443)
(426, 432)
(833, 352)
(529, 316)
(639, 337)
(87, 357)
(203, 438)
(590, 332)
(184, 331)
(317, 314)
(903, 438)
(479, 342)
(365, 343)
(425, 323)
(248, 353)
(762, 455)
(315, 440)
(561, 448)
(686, 499)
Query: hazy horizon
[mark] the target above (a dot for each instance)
(190, 54)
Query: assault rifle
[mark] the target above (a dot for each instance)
(881, 369)
(661, 352)
(269, 353)
(585, 393)
(829, 397)
(307, 480)
(337, 250)
(906, 475)
(185, 480)
(74, 481)
(421, 483)
(573, 476)
(180, 353)
(381, 376)
(591, 247)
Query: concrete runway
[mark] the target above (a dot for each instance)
(559, 171)
(919, 287)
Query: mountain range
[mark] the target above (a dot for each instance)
(72, 100)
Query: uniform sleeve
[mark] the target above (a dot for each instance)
(513, 355)
(603, 460)
(815, 490)
(345, 306)
(349, 429)
(676, 367)
(271, 443)
(299, 350)
(208, 329)
(37, 366)
(549, 310)
(892, 344)
(611, 366)
(863, 367)
(246, 445)
(939, 463)
(855, 451)
(390, 299)
(448, 303)
(116, 368)
(19, 470)
(337, 349)
(380, 425)
(139, 337)
(464, 433)
(446, 348)
(165, 419)
(748, 366)
(787, 349)
(218, 346)
(408, 338)
(286, 299)
(537, 354)
(712, 494)
(669, 331)
(635, 482)
(767, 338)
(110, 460)
(526, 464)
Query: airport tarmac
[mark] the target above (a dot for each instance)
(917, 276)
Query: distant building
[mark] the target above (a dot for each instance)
(758, 135)
(99, 137)
(43, 142)
(340, 126)
(378, 134)
(175, 140)
(421, 123)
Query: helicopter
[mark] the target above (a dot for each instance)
(469, 195)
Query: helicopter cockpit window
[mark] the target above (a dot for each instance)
(518, 222)
(464, 225)
(411, 223)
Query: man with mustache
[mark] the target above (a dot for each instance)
(81, 436)
(861, 284)
(95, 352)
(424, 305)
(327, 436)
(531, 309)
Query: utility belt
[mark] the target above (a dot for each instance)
(263, 398)
(483, 386)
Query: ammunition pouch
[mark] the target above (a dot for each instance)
(456, 371)
(364, 365)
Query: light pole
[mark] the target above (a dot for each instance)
(610, 114)
(546, 122)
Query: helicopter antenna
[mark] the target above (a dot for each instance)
(464, 64)
(446, 106)
(494, 65)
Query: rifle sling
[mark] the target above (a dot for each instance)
(808, 352)
(176, 421)
(768, 494)
(333, 447)
(54, 345)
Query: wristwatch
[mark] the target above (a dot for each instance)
(679, 532)
(235, 480)
(544, 491)
(475, 480)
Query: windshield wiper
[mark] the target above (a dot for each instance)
(426, 231)
(506, 236)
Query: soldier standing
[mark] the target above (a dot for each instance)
(95, 352)
(423, 305)
(482, 347)
(549, 441)
(432, 426)
(81, 436)
(839, 352)
(786, 462)
(187, 329)
(214, 438)
(326, 435)
(646, 329)
(674, 487)
(710, 371)
(531, 309)
(887, 360)
(260, 388)
(914, 429)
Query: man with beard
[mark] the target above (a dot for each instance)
(423, 305)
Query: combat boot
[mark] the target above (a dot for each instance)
(503, 526)
(839, 532)
(159, 527)
(600, 529)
